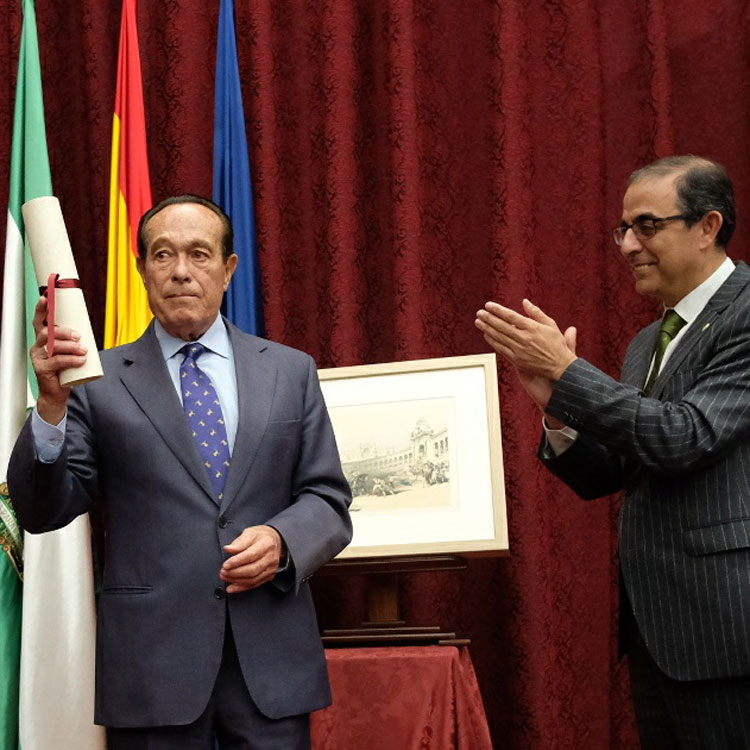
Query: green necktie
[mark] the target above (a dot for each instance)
(670, 325)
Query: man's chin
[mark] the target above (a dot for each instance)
(646, 288)
(184, 326)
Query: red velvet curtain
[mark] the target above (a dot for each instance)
(411, 159)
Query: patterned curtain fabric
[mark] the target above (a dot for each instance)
(411, 159)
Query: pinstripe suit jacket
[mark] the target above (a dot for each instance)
(682, 457)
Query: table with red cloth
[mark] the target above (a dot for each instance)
(402, 698)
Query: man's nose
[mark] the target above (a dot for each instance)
(181, 268)
(630, 243)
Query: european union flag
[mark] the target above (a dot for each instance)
(232, 185)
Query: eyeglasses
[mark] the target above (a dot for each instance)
(643, 229)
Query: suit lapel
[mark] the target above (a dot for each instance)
(147, 380)
(724, 296)
(256, 385)
(635, 367)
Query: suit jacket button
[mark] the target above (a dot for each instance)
(219, 593)
(223, 522)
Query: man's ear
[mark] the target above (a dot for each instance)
(229, 268)
(711, 223)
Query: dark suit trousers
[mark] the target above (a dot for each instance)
(231, 721)
(676, 715)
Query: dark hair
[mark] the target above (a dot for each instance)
(227, 239)
(702, 186)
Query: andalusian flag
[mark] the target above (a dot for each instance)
(232, 187)
(29, 178)
(54, 705)
(127, 313)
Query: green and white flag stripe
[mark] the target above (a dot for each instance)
(10, 627)
(29, 178)
(47, 623)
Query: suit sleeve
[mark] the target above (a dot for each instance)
(587, 467)
(48, 496)
(316, 526)
(703, 411)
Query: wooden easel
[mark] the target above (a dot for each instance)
(384, 625)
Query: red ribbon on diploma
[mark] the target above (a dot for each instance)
(55, 282)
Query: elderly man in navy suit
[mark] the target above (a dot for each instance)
(674, 434)
(212, 458)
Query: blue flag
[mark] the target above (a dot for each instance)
(232, 186)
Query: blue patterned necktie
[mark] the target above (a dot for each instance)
(204, 415)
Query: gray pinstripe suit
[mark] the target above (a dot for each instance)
(683, 458)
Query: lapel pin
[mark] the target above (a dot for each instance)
(705, 326)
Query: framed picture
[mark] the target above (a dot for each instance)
(420, 445)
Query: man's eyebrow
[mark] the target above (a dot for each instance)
(164, 241)
(640, 217)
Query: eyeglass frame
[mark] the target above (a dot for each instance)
(622, 230)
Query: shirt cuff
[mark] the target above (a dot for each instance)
(48, 438)
(284, 559)
(558, 441)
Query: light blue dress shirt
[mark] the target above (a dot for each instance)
(217, 362)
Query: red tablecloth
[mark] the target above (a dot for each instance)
(402, 698)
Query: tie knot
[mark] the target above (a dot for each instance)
(193, 351)
(671, 323)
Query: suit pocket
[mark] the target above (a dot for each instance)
(284, 428)
(127, 589)
(718, 537)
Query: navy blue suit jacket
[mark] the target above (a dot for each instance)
(160, 625)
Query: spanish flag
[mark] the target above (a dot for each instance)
(127, 312)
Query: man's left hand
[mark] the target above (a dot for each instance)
(532, 343)
(255, 557)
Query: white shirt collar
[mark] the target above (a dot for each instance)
(690, 306)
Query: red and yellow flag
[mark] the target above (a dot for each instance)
(127, 312)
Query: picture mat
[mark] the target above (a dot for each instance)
(476, 520)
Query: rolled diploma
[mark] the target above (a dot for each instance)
(51, 253)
